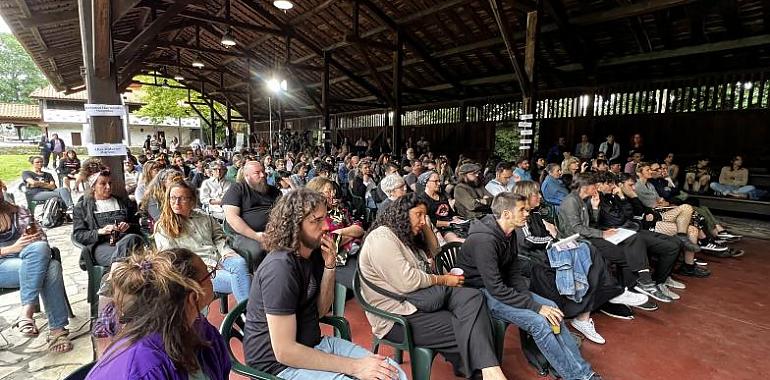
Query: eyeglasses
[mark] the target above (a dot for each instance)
(211, 272)
(174, 199)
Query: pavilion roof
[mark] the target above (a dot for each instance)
(453, 48)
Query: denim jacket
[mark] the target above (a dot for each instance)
(572, 266)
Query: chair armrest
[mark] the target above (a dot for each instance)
(86, 259)
(341, 324)
(251, 373)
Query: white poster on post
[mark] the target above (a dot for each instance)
(105, 110)
(106, 150)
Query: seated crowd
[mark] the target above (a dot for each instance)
(545, 243)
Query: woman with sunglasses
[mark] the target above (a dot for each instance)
(105, 223)
(158, 300)
(180, 226)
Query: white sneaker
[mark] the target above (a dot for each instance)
(671, 283)
(588, 330)
(630, 298)
(663, 288)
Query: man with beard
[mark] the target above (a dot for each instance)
(472, 200)
(522, 170)
(247, 206)
(291, 290)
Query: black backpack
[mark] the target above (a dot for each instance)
(51, 214)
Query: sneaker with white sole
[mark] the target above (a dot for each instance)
(618, 311)
(650, 289)
(663, 288)
(630, 298)
(588, 329)
(700, 263)
(728, 236)
(710, 246)
(671, 283)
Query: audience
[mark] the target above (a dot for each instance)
(553, 188)
(471, 199)
(733, 181)
(41, 185)
(213, 190)
(503, 180)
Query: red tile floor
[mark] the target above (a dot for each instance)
(720, 329)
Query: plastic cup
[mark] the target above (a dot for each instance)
(456, 272)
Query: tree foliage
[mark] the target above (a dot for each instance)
(506, 142)
(18, 74)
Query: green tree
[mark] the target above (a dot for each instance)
(18, 74)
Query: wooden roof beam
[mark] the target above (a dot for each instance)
(574, 42)
(40, 19)
(150, 32)
(235, 24)
(505, 32)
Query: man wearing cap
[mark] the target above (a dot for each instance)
(213, 189)
(472, 200)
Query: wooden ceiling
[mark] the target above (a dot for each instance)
(452, 48)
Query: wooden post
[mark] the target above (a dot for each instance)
(101, 82)
(327, 128)
(529, 102)
(249, 116)
(398, 74)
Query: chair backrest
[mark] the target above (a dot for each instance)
(447, 258)
(81, 373)
(234, 326)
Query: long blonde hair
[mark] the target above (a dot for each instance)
(170, 223)
(156, 190)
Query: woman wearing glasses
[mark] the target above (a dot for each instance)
(105, 223)
(180, 226)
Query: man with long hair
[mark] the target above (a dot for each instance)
(292, 288)
(246, 206)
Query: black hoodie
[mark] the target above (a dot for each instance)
(489, 259)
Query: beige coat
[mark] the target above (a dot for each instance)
(388, 263)
(204, 237)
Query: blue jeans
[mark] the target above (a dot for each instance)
(35, 274)
(334, 346)
(721, 189)
(560, 349)
(233, 278)
(60, 192)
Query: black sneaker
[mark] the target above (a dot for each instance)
(727, 235)
(649, 306)
(618, 311)
(651, 290)
(710, 246)
(693, 271)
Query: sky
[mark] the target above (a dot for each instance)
(3, 26)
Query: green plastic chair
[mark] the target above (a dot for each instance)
(422, 357)
(234, 326)
(95, 273)
(446, 260)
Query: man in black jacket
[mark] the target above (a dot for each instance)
(490, 262)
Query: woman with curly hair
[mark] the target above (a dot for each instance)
(158, 299)
(180, 226)
(155, 195)
(394, 261)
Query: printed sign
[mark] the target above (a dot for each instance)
(105, 110)
(525, 124)
(526, 132)
(523, 147)
(106, 150)
(525, 141)
(527, 116)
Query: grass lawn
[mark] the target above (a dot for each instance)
(11, 166)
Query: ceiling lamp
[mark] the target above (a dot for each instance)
(198, 63)
(283, 4)
(227, 39)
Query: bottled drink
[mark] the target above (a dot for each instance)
(31, 228)
(115, 234)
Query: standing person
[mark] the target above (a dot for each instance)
(41, 186)
(159, 297)
(247, 206)
(292, 288)
(174, 145)
(394, 263)
(45, 149)
(57, 149)
(489, 258)
(147, 146)
(180, 226)
(610, 148)
(25, 263)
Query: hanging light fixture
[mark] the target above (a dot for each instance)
(178, 77)
(198, 62)
(284, 5)
(227, 38)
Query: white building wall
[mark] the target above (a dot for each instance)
(138, 133)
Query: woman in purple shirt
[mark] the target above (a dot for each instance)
(159, 298)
